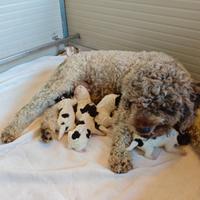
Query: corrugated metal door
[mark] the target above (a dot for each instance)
(172, 26)
(25, 24)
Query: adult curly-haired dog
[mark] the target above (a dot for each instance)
(156, 90)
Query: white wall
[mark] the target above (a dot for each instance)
(25, 24)
(172, 26)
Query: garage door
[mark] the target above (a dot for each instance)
(172, 26)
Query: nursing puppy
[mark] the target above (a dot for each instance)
(66, 117)
(157, 94)
(86, 110)
(169, 141)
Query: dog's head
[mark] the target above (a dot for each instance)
(156, 97)
(151, 122)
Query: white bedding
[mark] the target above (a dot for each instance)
(31, 170)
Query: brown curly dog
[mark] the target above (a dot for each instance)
(156, 90)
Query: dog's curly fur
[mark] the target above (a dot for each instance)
(156, 94)
(194, 131)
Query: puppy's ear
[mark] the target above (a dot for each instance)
(85, 109)
(93, 111)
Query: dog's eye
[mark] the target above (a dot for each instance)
(144, 130)
(127, 104)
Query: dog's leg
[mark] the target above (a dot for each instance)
(61, 82)
(120, 160)
(195, 138)
(49, 126)
(46, 135)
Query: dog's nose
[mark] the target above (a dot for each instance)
(144, 130)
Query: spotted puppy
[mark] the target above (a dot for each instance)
(79, 137)
(86, 110)
(105, 108)
(169, 141)
(57, 119)
(66, 118)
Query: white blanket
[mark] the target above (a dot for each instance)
(31, 170)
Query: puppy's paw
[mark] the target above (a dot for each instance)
(7, 137)
(177, 150)
(154, 154)
(46, 136)
(120, 162)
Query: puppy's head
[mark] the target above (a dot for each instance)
(81, 92)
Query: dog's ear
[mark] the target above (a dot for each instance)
(195, 97)
(196, 86)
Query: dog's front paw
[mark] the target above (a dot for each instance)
(120, 162)
(6, 137)
(46, 136)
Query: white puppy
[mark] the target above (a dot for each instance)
(66, 118)
(79, 137)
(104, 108)
(86, 110)
(169, 141)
